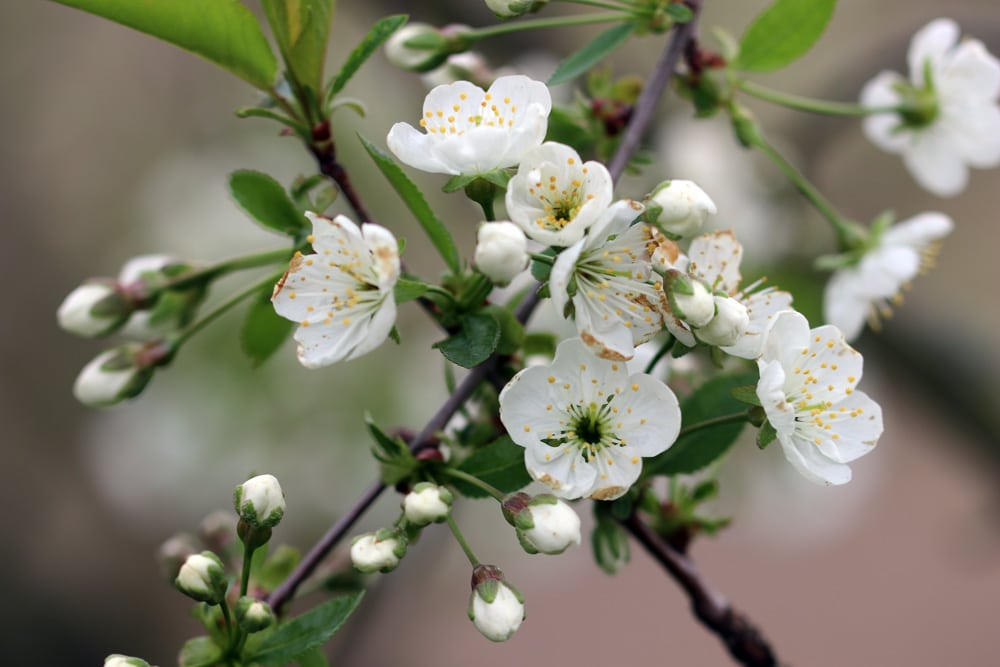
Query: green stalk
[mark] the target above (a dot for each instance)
(809, 104)
(734, 418)
(662, 352)
(621, 7)
(555, 22)
(225, 307)
(475, 481)
(230, 266)
(460, 538)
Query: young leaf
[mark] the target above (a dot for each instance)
(408, 290)
(396, 461)
(266, 201)
(414, 200)
(199, 652)
(746, 394)
(263, 330)
(377, 36)
(591, 54)
(697, 449)
(301, 29)
(276, 567)
(314, 657)
(473, 343)
(304, 633)
(223, 32)
(784, 32)
(500, 464)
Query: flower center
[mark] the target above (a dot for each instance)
(918, 106)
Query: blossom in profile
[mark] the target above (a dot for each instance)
(471, 131)
(866, 288)
(555, 196)
(606, 282)
(948, 118)
(496, 608)
(807, 389)
(586, 424)
(342, 294)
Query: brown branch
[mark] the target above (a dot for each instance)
(745, 642)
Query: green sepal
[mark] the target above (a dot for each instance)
(199, 652)
(608, 541)
(458, 182)
(488, 590)
(303, 633)
(377, 35)
(746, 394)
(591, 54)
(766, 435)
(782, 33)
(477, 337)
(408, 290)
(524, 542)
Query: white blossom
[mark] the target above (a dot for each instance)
(427, 503)
(548, 525)
(377, 552)
(618, 298)
(807, 389)
(472, 131)
(418, 59)
(496, 608)
(501, 251)
(950, 120)
(119, 660)
(506, 9)
(681, 207)
(586, 424)
(203, 578)
(555, 196)
(342, 294)
(260, 501)
(865, 289)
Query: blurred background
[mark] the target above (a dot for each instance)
(117, 145)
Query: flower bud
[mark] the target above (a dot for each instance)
(427, 503)
(119, 374)
(501, 251)
(119, 660)
(544, 523)
(421, 47)
(508, 9)
(378, 552)
(95, 309)
(203, 578)
(172, 554)
(259, 501)
(690, 300)
(679, 208)
(253, 615)
(730, 321)
(469, 66)
(496, 607)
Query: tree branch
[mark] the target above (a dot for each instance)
(744, 641)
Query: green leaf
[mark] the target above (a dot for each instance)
(608, 540)
(266, 201)
(396, 461)
(301, 28)
(377, 36)
(313, 658)
(263, 331)
(746, 394)
(500, 464)
(591, 54)
(304, 633)
(414, 200)
(408, 290)
(511, 331)
(679, 12)
(199, 652)
(478, 335)
(224, 32)
(782, 33)
(697, 449)
(540, 343)
(276, 567)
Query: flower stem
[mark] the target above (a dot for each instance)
(224, 308)
(229, 266)
(554, 22)
(231, 629)
(460, 538)
(245, 578)
(475, 481)
(807, 103)
(662, 352)
(621, 7)
(734, 418)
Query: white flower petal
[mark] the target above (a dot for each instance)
(882, 128)
(930, 43)
(715, 260)
(934, 164)
(416, 149)
(762, 307)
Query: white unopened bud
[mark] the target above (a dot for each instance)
(730, 322)
(555, 526)
(203, 578)
(691, 301)
(112, 377)
(378, 552)
(94, 309)
(421, 47)
(507, 9)
(253, 615)
(680, 208)
(260, 501)
(496, 607)
(119, 660)
(427, 503)
(469, 66)
(501, 251)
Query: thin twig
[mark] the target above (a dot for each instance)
(744, 641)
